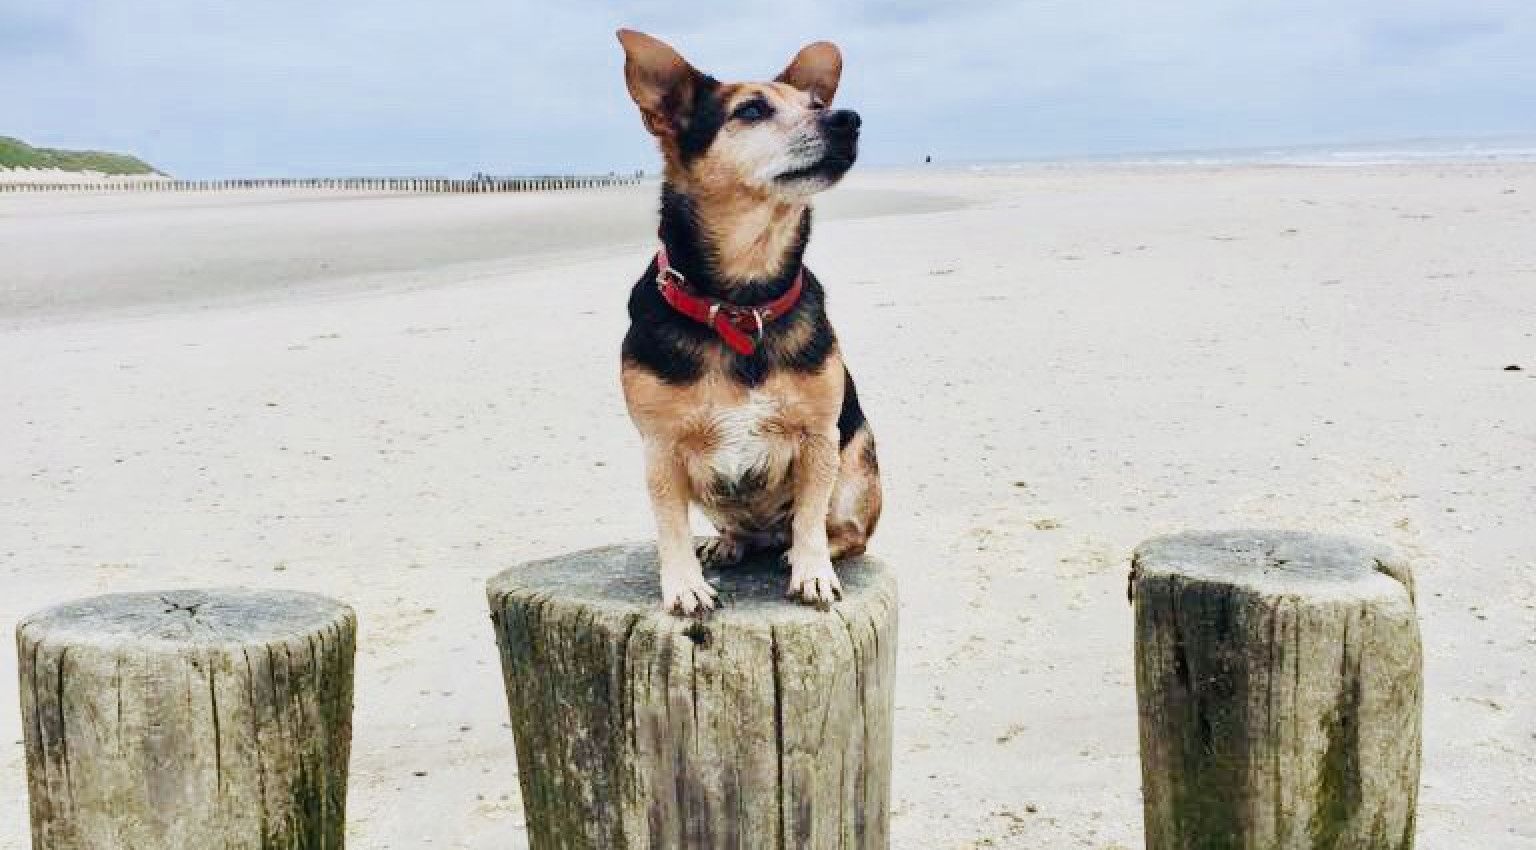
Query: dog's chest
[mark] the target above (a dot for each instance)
(746, 439)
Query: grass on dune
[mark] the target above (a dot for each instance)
(14, 153)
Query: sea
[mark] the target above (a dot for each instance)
(1451, 151)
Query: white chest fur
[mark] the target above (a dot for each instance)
(744, 437)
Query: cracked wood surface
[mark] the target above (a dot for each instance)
(766, 726)
(1279, 679)
(188, 719)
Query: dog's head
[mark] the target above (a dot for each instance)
(779, 138)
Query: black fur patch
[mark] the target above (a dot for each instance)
(703, 119)
(729, 490)
(851, 418)
(671, 345)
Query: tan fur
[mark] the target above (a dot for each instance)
(857, 500)
(753, 237)
(682, 582)
(752, 225)
(657, 77)
(688, 417)
(795, 463)
(816, 69)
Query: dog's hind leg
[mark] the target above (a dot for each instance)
(726, 550)
(856, 501)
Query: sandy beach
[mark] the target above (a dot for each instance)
(389, 398)
(59, 175)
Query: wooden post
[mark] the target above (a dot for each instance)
(767, 725)
(1279, 680)
(217, 719)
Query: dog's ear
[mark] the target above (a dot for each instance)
(816, 69)
(660, 80)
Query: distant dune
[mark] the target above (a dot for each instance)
(20, 162)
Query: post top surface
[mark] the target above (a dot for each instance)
(1276, 561)
(195, 617)
(624, 579)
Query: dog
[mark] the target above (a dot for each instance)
(730, 369)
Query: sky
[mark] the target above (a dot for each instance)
(448, 87)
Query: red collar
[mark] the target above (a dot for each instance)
(739, 326)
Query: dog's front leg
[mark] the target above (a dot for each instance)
(683, 588)
(811, 577)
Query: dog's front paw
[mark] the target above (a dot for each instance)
(688, 595)
(813, 581)
(720, 552)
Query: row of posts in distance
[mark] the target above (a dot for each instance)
(379, 184)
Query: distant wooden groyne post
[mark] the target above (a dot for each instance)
(1279, 681)
(188, 719)
(767, 725)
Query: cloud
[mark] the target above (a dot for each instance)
(374, 86)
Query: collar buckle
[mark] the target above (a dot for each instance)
(666, 272)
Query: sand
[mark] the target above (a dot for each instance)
(84, 253)
(388, 399)
(59, 175)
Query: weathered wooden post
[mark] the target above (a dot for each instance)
(767, 725)
(1279, 681)
(215, 719)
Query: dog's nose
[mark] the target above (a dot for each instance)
(843, 121)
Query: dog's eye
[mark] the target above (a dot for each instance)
(752, 110)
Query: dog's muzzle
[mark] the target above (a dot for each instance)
(841, 123)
